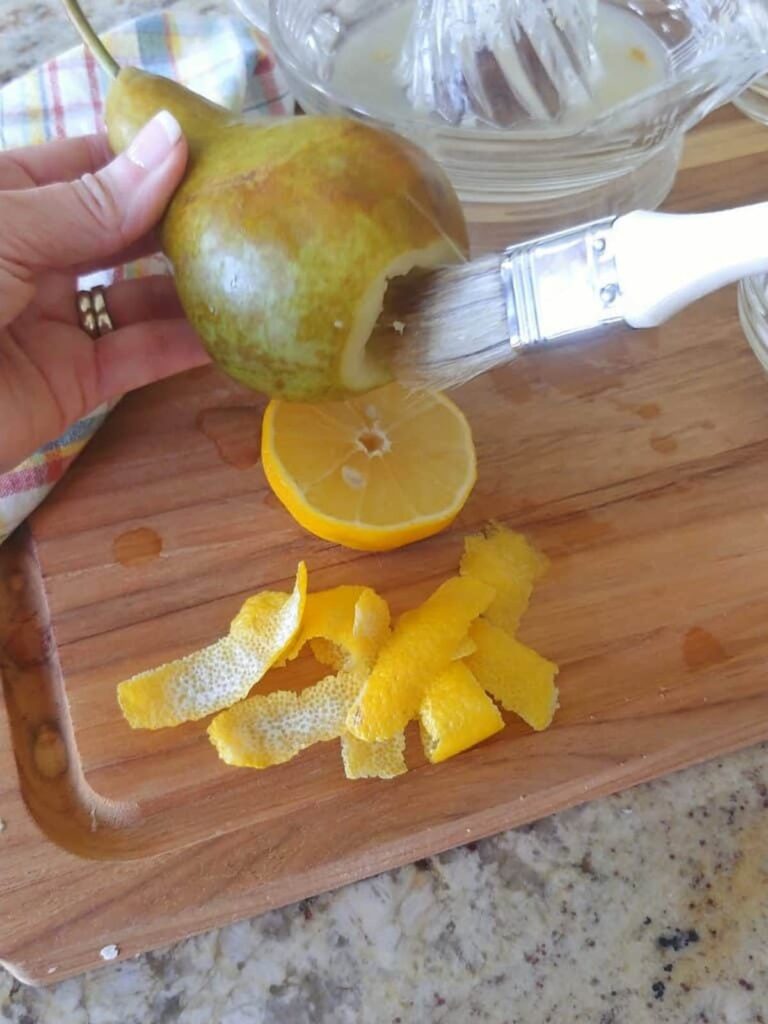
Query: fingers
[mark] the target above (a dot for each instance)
(52, 375)
(128, 302)
(143, 299)
(149, 245)
(143, 353)
(100, 214)
(65, 160)
(62, 160)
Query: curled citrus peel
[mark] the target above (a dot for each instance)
(363, 760)
(466, 647)
(345, 627)
(441, 665)
(268, 730)
(219, 675)
(455, 714)
(443, 656)
(515, 675)
(422, 644)
(507, 562)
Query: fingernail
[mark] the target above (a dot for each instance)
(155, 141)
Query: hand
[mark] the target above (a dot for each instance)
(66, 209)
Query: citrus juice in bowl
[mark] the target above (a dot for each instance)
(666, 67)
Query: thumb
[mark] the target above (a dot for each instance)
(100, 214)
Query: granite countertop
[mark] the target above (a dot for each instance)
(646, 907)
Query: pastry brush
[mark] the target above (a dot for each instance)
(454, 323)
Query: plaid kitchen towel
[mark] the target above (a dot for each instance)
(218, 57)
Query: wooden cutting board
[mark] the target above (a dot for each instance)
(639, 464)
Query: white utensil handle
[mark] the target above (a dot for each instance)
(667, 261)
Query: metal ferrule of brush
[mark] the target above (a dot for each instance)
(561, 284)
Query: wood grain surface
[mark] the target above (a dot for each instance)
(638, 463)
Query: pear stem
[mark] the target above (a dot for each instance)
(90, 38)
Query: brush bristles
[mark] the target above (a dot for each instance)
(446, 326)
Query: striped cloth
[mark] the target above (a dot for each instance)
(218, 57)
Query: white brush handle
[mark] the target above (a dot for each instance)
(667, 261)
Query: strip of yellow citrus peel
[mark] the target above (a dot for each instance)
(363, 760)
(465, 648)
(346, 627)
(505, 561)
(422, 644)
(442, 664)
(267, 730)
(219, 675)
(456, 714)
(519, 678)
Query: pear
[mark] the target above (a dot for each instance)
(285, 231)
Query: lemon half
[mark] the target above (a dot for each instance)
(372, 473)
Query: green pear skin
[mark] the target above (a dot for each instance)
(283, 232)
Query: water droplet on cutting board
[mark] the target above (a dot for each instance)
(644, 410)
(701, 649)
(236, 432)
(663, 445)
(135, 547)
(647, 411)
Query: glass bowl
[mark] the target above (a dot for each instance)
(559, 173)
(754, 101)
(753, 313)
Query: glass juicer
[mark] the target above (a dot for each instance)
(661, 68)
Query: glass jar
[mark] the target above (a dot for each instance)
(557, 173)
